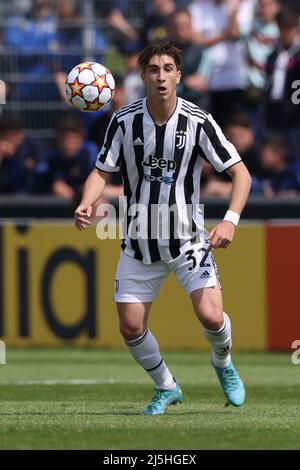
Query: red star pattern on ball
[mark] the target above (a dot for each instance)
(84, 66)
(100, 83)
(93, 106)
(76, 88)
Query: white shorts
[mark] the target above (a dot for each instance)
(139, 282)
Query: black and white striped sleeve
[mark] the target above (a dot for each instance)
(217, 149)
(109, 155)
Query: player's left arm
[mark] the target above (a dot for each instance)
(222, 234)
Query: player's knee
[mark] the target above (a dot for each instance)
(213, 319)
(130, 333)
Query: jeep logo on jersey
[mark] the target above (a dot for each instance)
(181, 136)
(161, 163)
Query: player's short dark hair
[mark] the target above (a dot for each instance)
(287, 17)
(161, 48)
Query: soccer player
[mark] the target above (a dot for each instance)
(160, 143)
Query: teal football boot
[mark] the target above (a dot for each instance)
(232, 385)
(162, 400)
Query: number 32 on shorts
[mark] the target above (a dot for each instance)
(191, 255)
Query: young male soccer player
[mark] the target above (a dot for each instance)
(160, 143)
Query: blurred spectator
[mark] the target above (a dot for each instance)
(130, 9)
(134, 85)
(245, 13)
(215, 25)
(155, 24)
(70, 47)
(32, 40)
(238, 131)
(195, 63)
(214, 184)
(23, 167)
(283, 70)
(276, 175)
(259, 44)
(70, 37)
(73, 159)
(21, 7)
(122, 31)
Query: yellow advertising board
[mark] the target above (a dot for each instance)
(56, 287)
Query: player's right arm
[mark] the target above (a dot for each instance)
(93, 189)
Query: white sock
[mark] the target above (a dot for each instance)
(145, 351)
(221, 343)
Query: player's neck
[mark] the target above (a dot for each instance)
(161, 111)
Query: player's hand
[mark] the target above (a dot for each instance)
(82, 216)
(221, 235)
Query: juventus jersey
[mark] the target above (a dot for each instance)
(161, 167)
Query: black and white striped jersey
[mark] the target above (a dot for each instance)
(161, 168)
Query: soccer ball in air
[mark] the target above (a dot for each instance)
(90, 86)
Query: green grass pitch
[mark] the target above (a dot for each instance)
(91, 399)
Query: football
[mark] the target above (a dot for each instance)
(89, 86)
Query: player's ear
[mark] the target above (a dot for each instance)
(143, 76)
(178, 77)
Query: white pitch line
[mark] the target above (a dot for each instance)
(71, 382)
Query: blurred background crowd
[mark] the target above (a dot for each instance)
(240, 61)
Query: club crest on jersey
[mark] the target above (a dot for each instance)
(181, 136)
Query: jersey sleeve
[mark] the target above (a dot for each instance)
(220, 153)
(109, 156)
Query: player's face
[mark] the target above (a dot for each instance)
(161, 77)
